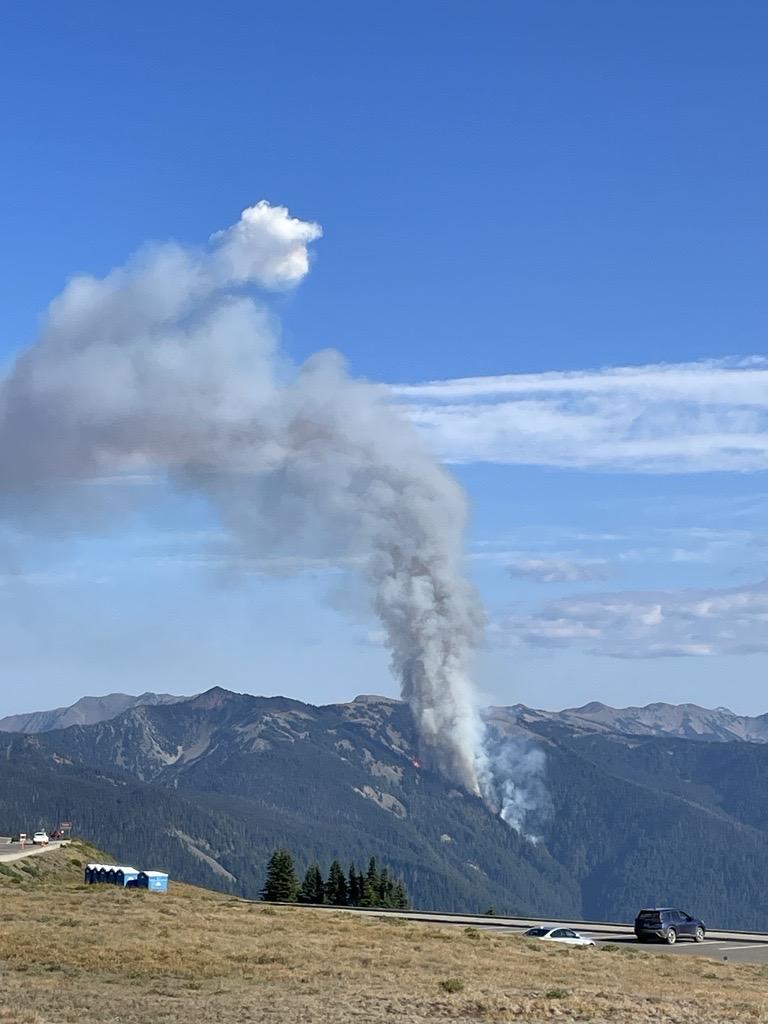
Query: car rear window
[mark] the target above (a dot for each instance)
(649, 916)
(536, 933)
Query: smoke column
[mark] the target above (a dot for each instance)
(516, 784)
(167, 365)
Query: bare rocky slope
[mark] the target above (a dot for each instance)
(86, 711)
(685, 721)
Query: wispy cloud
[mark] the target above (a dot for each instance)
(639, 624)
(557, 570)
(664, 418)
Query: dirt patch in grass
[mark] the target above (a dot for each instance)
(100, 954)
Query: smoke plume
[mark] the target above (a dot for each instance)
(523, 799)
(169, 365)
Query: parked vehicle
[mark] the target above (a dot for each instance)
(40, 838)
(554, 933)
(665, 924)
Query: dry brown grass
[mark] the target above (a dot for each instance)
(101, 955)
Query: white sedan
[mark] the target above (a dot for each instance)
(40, 838)
(553, 933)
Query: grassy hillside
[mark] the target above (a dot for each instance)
(54, 869)
(100, 954)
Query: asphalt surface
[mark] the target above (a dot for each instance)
(739, 947)
(10, 852)
(737, 950)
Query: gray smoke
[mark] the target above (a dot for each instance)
(516, 786)
(525, 803)
(167, 365)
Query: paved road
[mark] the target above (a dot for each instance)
(739, 947)
(10, 852)
(738, 950)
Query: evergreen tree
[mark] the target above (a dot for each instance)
(372, 874)
(369, 896)
(354, 887)
(312, 888)
(385, 889)
(360, 887)
(400, 896)
(281, 885)
(336, 886)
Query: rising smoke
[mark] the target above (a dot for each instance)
(167, 365)
(516, 787)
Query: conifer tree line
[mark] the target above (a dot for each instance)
(353, 888)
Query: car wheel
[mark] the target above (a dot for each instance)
(699, 934)
(671, 937)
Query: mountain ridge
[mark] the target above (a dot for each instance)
(85, 711)
(685, 720)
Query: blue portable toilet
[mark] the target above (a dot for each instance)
(124, 876)
(113, 874)
(155, 881)
(96, 873)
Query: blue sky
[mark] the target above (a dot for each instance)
(507, 190)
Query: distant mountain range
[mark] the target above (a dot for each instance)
(651, 805)
(686, 721)
(86, 711)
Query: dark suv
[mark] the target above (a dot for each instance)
(668, 926)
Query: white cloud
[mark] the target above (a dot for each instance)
(637, 624)
(676, 418)
(556, 570)
(266, 245)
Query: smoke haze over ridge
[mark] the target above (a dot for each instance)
(168, 365)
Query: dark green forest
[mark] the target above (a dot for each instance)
(374, 887)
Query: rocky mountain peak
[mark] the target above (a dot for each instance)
(216, 697)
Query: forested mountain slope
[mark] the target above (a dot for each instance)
(263, 772)
(209, 786)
